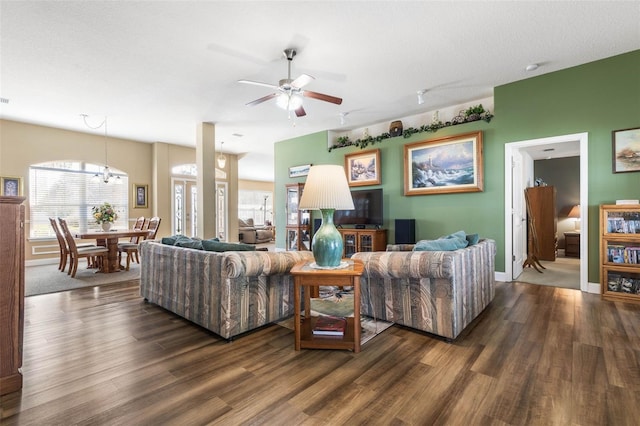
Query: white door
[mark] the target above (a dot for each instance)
(221, 210)
(184, 204)
(519, 215)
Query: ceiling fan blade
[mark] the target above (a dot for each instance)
(262, 99)
(300, 112)
(322, 97)
(302, 81)
(258, 83)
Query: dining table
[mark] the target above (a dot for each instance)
(109, 239)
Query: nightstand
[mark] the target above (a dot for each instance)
(572, 244)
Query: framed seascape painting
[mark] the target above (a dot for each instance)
(11, 186)
(363, 168)
(298, 171)
(626, 150)
(141, 194)
(442, 166)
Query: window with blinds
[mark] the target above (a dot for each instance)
(69, 190)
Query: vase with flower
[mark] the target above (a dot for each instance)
(105, 215)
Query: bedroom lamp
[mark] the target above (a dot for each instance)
(574, 213)
(327, 190)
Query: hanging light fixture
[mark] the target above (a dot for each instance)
(106, 176)
(222, 160)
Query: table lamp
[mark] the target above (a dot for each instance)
(575, 214)
(327, 190)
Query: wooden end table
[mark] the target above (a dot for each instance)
(311, 278)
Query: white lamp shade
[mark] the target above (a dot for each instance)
(326, 188)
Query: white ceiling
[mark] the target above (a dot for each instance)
(158, 68)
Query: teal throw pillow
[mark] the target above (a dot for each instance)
(189, 243)
(211, 245)
(171, 240)
(442, 244)
(473, 239)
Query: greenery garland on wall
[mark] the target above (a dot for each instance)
(473, 113)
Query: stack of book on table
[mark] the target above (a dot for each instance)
(328, 325)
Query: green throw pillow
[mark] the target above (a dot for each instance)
(211, 245)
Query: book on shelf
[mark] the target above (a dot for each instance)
(329, 325)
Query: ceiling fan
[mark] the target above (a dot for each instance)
(289, 92)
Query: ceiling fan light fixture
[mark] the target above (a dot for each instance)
(420, 94)
(289, 101)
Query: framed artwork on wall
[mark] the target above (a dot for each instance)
(298, 171)
(363, 168)
(626, 150)
(11, 186)
(141, 196)
(443, 166)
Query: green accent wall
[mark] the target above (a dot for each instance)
(596, 98)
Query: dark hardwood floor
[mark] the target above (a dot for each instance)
(537, 355)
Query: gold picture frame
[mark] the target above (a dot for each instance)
(11, 186)
(140, 196)
(626, 150)
(363, 168)
(444, 166)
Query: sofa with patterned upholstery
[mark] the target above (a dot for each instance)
(228, 293)
(439, 292)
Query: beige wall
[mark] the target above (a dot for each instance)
(22, 145)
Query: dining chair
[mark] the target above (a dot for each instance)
(95, 255)
(64, 250)
(131, 247)
(62, 243)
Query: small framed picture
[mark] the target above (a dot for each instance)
(11, 186)
(363, 168)
(626, 150)
(444, 166)
(141, 196)
(298, 171)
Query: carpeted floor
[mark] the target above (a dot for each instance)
(47, 279)
(563, 272)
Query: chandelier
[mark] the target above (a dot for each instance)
(106, 176)
(222, 160)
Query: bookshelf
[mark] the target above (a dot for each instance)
(620, 251)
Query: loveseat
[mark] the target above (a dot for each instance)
(251, 234)
(439, 292)
(228, 293)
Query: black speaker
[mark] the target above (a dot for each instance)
(405, 231)
(317, 223)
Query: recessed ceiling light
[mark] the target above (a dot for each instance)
(237, 135)
(532, 67)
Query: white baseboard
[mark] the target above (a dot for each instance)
(40, 262)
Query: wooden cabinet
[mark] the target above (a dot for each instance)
(543, 220)
(298, 229)
(363, 240)
(572, 244)
(11, 292)
(620, 251)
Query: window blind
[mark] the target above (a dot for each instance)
(68, 190)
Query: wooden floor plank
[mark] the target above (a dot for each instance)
(538, 355)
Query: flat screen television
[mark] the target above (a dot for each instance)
(368, 209)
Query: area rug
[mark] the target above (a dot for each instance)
(44, 279)
(336, 302)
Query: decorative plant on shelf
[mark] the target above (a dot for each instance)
(104, 213)
(473, 113)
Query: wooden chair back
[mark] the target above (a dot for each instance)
(154, 224)
(64, 250)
